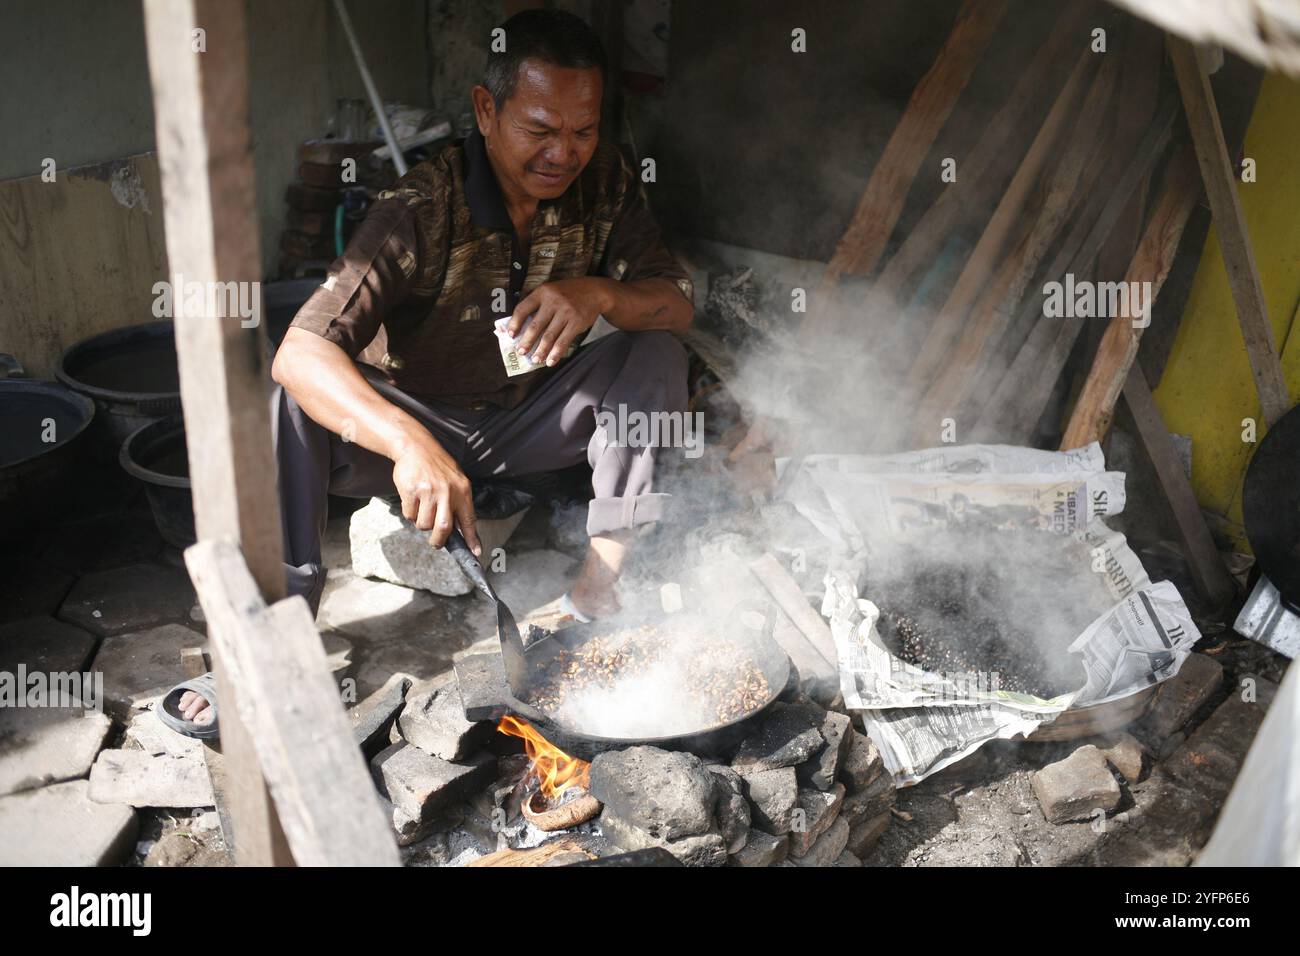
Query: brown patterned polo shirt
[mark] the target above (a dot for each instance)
(436, 263)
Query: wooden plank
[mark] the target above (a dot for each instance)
(1208, 570)
(933, 99)
(947, 393)
(789, 597)
(553, 849)
(287, 698)
(205, 154)
(977, 171)
(1230, 225)
(1096, 403)
(1020, 388)
(81, 256)
(993, 243)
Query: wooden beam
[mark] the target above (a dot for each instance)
(1208, 570)
(933, 99)
(997, 235)
(1230, 227)
(978, 171)
(1096, 403)
(948, 392)
(287, 698)
(209, 213)
(789, 597)
(1024, 387)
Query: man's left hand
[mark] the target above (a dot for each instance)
(560, 311)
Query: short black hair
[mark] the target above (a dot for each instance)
(552, 36)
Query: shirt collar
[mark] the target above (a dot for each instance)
(487, 207)
(482, 193)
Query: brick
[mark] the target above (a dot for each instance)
(420, 785)
(864, 836)
(1074, 788)
(827, 847)
(143, 780)
(762, 849)
(862, 763)
(1125, 754)
(1178, 698)
(820, 809)
(772, 795)
(434, 720)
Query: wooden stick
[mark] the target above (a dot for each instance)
(948, 392)
(323, 793)
(1230, 226)
(977, 177)
(789, 597)
(1208, 570)
(209, 213)
(877, 212)
(1023, 390)
(1096, 403)
(993, 242)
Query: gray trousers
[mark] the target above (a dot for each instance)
(554, 428)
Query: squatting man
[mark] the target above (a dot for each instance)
(527, 231)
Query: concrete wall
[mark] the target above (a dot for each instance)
(75, 82)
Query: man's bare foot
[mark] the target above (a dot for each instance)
(594, 593)
(195, 707)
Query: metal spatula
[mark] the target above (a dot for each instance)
(518, 674)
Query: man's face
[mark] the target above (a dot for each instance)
(543, 136)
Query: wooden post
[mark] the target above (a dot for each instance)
(1230, 226)
(1208, 570)
(199, 72)
(1155, 255)
(877, 212)
(287, 697)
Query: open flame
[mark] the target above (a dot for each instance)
(555, 770)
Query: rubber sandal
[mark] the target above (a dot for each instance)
(169, 712)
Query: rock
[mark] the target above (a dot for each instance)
(875, 799)
(1212, 756)
(820, 809)
(786, 736)
(733, 816)
(772, 796)
(44, 644)
(144, 780)
(1076, 787)
(434, 720)
(533, 579)
(420, 784)
(862, 763)
(762, 849)
(132, 598)
(387, 546)
(174, 849)
(1171, 743)
(1178, 698)
(827, 848)
(863, 836)
(668, 794)
(847, 859)
(1125, 755)
(142, 666)
(373, 718)
(374, 610)
(821, 770)
(60, 825)
(706, 849)
(146, 732)
(42, 746)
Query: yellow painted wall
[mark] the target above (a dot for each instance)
(1207, 387)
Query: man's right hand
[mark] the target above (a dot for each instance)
(436, 495)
